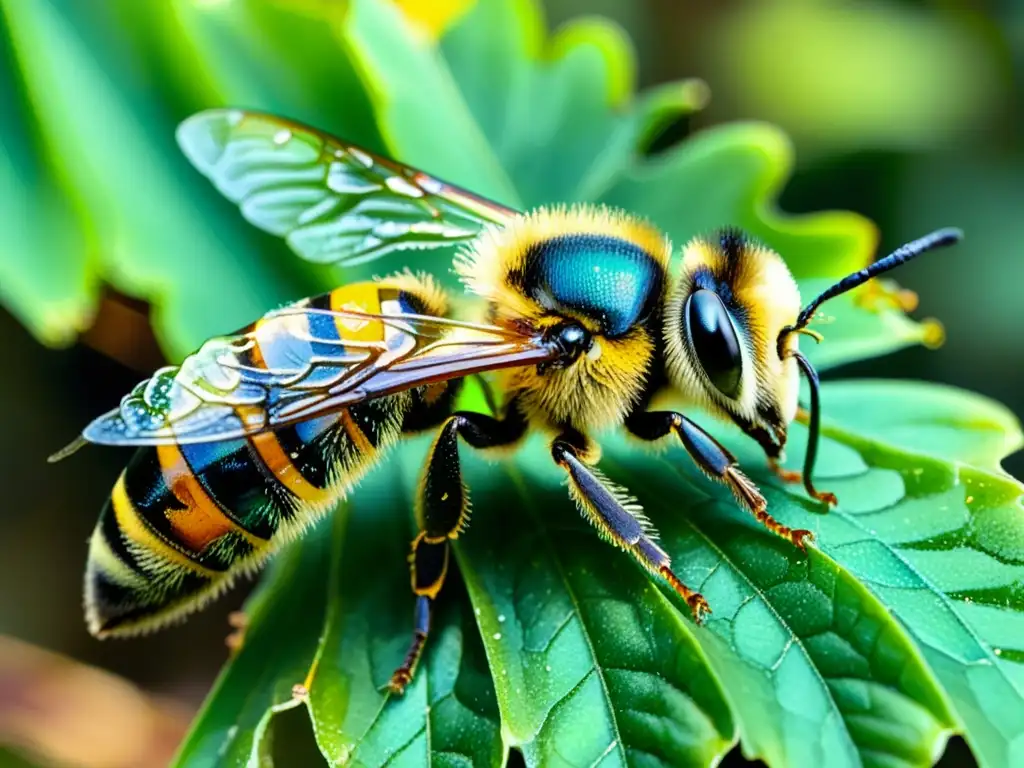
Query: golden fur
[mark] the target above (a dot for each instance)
(598, 390)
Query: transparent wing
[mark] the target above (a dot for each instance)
(331, 201)
(229, 388)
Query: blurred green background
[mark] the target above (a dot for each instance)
(907, 112)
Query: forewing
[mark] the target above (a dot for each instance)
(332, 202)
(292, 367)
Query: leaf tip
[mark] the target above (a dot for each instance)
(612, 44)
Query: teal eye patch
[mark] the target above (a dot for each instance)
(611, 280)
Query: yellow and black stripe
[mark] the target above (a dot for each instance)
(184, 520)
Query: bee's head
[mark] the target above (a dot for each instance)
(729, 303)
(732, 323)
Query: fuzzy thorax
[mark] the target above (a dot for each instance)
(507, 266)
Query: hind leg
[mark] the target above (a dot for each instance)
(442, 509)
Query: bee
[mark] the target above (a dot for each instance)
(584, 326)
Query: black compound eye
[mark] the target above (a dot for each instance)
(713, 339)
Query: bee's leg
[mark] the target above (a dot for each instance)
(773, 451)
(788, 476)
(442, 509)
(715, 461)
(618, 517)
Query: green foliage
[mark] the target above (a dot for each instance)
(901, 627)
(843, 82)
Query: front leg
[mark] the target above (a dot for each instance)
(715, 461)
(774, 453)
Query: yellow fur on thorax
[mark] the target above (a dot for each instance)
(596, 391)
(499, 251)
(589, 395)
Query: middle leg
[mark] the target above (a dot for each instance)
(617, 516)
(712, 458)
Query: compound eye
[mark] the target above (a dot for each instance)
(713, 340)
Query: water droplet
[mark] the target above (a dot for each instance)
(400, 186)
(360, 157)
(431, 185)
(282, 136)
(547, 667)
(501, 618)
(497, 635)
(997, 651)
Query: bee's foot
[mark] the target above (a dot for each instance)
(827, 497)
(399, 681)
(799, 535)
(788, 476)
(698, 605)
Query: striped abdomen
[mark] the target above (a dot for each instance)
(184, 520)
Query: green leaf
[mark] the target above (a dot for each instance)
(285, 617)
(939, 543)
(151, 223)
(563, 119)
(818, 669)
(448, 716)
(932, 419)
(591, 662)
(341, 647)
(268, 56)
(418, 105)
(43, 271)
(537, 100)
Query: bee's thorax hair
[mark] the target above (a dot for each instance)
(599, 267)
